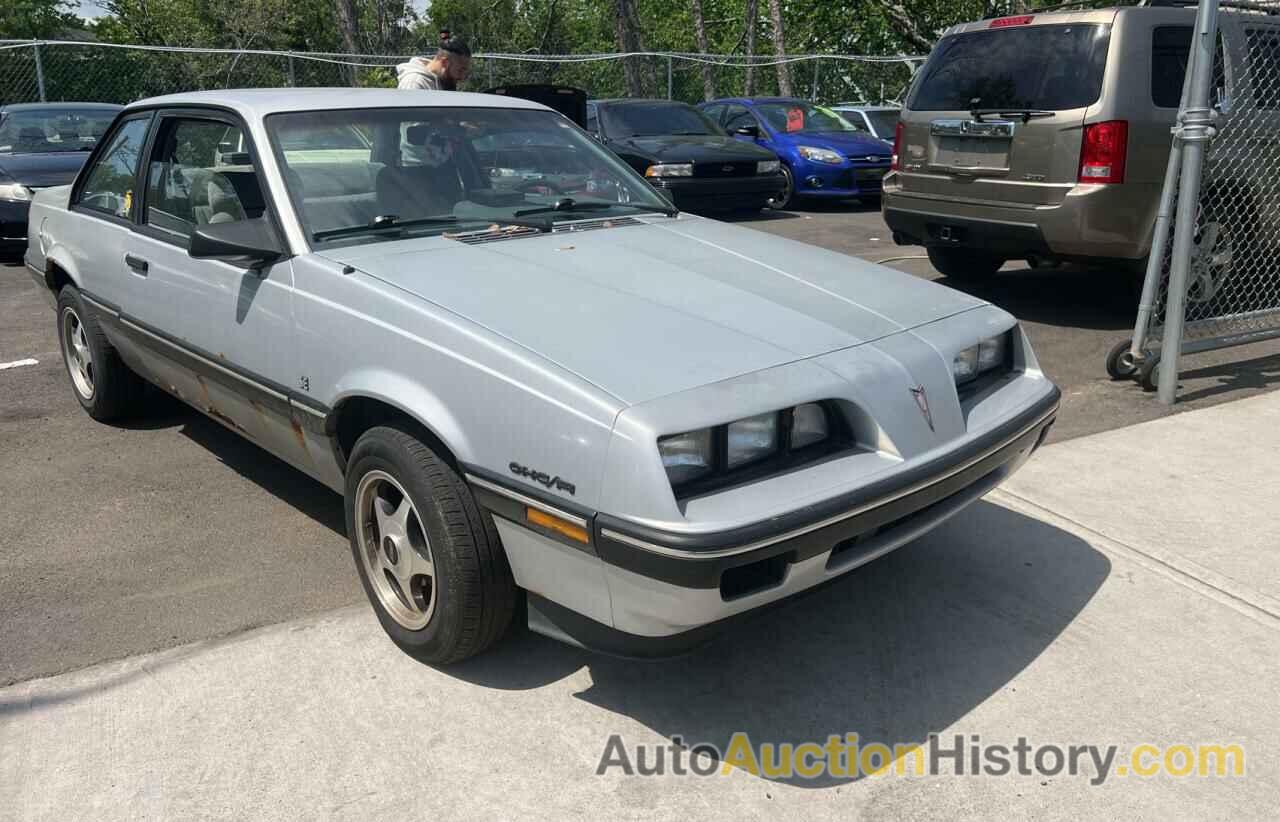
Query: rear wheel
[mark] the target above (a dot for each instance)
(963, 263)
(430, 561)
(105, 387)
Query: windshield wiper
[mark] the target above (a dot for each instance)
(1027, 114)
(382, 223)
(568, 204)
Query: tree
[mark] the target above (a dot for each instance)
(36, 19)
(627, 33)
(700, 35)
(780, 48)
(751, 18)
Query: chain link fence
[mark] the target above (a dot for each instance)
(33, 71)
(1214, 277)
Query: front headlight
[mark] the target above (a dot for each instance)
(14, 192)
(768, 167)
(820, 155)
(751, 439)
(991, 354)
(723, 449)
(687, 456)
(669, 170)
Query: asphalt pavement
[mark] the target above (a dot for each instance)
(128, 539)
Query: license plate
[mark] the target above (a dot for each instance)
(971, 152)
(869, 174)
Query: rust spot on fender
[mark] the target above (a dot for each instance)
(298, 434)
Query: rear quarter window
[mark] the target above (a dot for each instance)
(1054, 68)
(1170, 52)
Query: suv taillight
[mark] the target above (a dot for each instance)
(897, 146)
(1102, 152)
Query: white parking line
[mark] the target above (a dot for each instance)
(18, 363)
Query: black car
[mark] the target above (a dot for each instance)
(41, 145)
(685, 155)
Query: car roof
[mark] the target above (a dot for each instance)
(861, 107)
(256, 103)
(756, 100)
(625, 101)
(12, 107)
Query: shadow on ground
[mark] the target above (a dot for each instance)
(1070, 297)
(902, 648)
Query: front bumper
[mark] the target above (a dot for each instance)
(666, 593)
(849, 179)
(13, 228)
(699, 194)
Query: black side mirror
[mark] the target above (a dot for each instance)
(748, 131)
(247, 243)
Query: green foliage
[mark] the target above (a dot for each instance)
(36, 19)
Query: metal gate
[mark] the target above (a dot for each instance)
(1213, 278)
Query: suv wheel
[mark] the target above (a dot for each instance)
(964, 264)
(429, 560)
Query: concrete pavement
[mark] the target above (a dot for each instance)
(1122, 589)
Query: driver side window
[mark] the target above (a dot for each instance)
(200, 173)
(109, 185)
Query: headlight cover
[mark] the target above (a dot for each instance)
(14, 192)
(781, 439)
(768, 167)
(991, 354)
(687, 456)
(820, 155)
(669, 170)
(751, 439)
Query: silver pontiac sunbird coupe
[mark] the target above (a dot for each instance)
(542, 390)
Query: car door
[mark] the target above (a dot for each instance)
(227, 330)
(105, 198)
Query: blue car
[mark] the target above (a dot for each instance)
(822, 153)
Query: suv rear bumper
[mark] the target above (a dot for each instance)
(1092, 222)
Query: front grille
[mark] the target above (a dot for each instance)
(735, 169)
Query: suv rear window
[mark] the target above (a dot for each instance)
(1034, 67)
(1170, 53)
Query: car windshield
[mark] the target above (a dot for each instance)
(369, 175)
(1049, 68)
(47, 130)
(885, 122)
(655, 119)
(798, 116)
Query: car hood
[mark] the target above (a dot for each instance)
(847, 144)
(694, 148)
(662, 305)
(53, 168)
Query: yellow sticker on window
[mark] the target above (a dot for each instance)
(128, 203)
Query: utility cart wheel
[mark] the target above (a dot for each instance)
(1148, 376)
(1120, 364)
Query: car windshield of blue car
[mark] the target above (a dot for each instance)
(789, 118)
(49, 130)
(372, 175)
(655, 119)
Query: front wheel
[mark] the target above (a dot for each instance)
(783, 198)
(964, 264)
(430, 561)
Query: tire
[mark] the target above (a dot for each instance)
(963, 264)
(1149, 375)
(443, 589)
(1119, 365)
(105, 387)
(787, 196)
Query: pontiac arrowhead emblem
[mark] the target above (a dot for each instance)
(922, 401)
